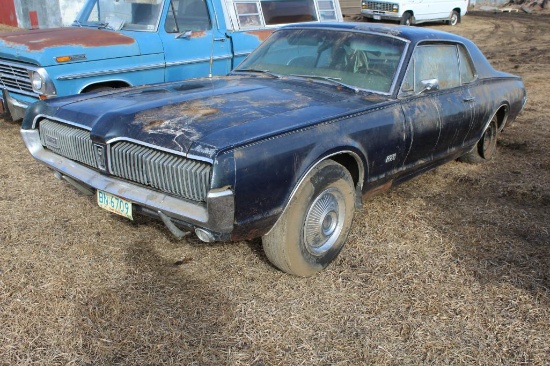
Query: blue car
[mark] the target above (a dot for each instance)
(287, 146)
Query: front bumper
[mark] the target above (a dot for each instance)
(216, 216)
(380, 15)
(11, 108)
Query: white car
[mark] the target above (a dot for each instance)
(409, 12)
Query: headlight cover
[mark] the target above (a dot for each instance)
(42, 83)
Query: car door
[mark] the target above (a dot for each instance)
(193, 43)
(436, 103)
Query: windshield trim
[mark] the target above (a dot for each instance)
(398, 70)
(85, 12)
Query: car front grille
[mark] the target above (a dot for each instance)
(168, 173)
(15, 77)
(375, 5)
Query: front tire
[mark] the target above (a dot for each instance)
(486, 147)
(314, 227)
(406, 19)
(454, 19)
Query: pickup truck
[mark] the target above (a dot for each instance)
(122, 43)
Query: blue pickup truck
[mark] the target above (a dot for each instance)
(121, 43)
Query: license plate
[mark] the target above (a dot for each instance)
(114, 204)
(377, 17)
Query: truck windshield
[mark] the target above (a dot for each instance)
(138, 15)
(359, 60)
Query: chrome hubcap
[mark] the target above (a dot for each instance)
(324, 221)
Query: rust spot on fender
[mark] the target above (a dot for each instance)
(152, 124)
(261, 34)
(85, 37)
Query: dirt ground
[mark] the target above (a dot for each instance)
(450, 268)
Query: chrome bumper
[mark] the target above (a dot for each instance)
(216, 215)
(12, 109)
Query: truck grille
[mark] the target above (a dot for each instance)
(15, 77)
(168, 173)
(375, 5)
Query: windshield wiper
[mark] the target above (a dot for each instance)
(76, 22)
(267, 72)
(330, 79)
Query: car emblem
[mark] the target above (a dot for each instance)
(100, 156)
(52, 141)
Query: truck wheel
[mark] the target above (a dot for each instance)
(455, 17)
(406, 19)
(486, 147)
(314, 227)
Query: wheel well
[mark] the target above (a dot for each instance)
(105, 85)
(458, 12)
(348, 162)
(502, 116)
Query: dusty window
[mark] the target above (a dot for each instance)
(435, 61)
(467, 73)
(187, 15)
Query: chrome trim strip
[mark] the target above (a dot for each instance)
(242, 54)
(217, 215)
(109, 72)
(41, 116)
(197, 60)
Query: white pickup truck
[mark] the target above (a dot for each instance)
(410, 12)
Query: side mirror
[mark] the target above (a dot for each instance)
(429, 85)
(185, 34)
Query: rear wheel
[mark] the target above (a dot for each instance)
(314, 227)
(486, 147)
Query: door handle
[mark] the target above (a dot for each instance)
(220, 39)
(469, 99)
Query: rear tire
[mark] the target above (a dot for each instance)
(486, 147)
(314, 227)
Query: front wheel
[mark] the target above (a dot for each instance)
(455, 17)
(486, 147)
(314, 227)
(406, 19)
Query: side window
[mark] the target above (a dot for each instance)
(433, 61)
(467, 73)
(187, 15)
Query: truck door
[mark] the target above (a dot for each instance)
(193, 44)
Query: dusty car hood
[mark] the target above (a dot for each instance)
(206, 115)
(41, 46)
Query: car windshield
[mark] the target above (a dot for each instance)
(358, 60)
(139, 15)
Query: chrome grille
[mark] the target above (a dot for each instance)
(15, 77)
(166, 172)
(68, 141)
(375, 5)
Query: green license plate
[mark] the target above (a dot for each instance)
(114, 204)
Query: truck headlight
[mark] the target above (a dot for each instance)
(42, 83)
(37, 82)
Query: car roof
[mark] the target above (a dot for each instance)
(414, 34)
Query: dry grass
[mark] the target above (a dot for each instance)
(450, 268)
